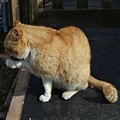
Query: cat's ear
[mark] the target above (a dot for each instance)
(17, 22)
(16, 32)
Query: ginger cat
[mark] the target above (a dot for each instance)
(61, 57)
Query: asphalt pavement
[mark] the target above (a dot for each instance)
(89, 104)
(103, 33)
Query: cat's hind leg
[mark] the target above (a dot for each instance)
(47, 84)
(68, 94)
(73, 89)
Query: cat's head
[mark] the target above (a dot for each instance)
(15, 43)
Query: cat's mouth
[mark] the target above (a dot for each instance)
(15, 58)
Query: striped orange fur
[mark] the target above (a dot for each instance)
(61, 57)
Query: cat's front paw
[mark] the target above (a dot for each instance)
(12, 64)
(43, 98)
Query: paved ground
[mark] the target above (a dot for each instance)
(103, 31)
(89, 104)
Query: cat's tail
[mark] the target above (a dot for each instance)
(108, 89)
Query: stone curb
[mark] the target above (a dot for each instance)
(17, 102)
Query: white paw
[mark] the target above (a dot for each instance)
(66, 95)
(12, 64)
(43, 98)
